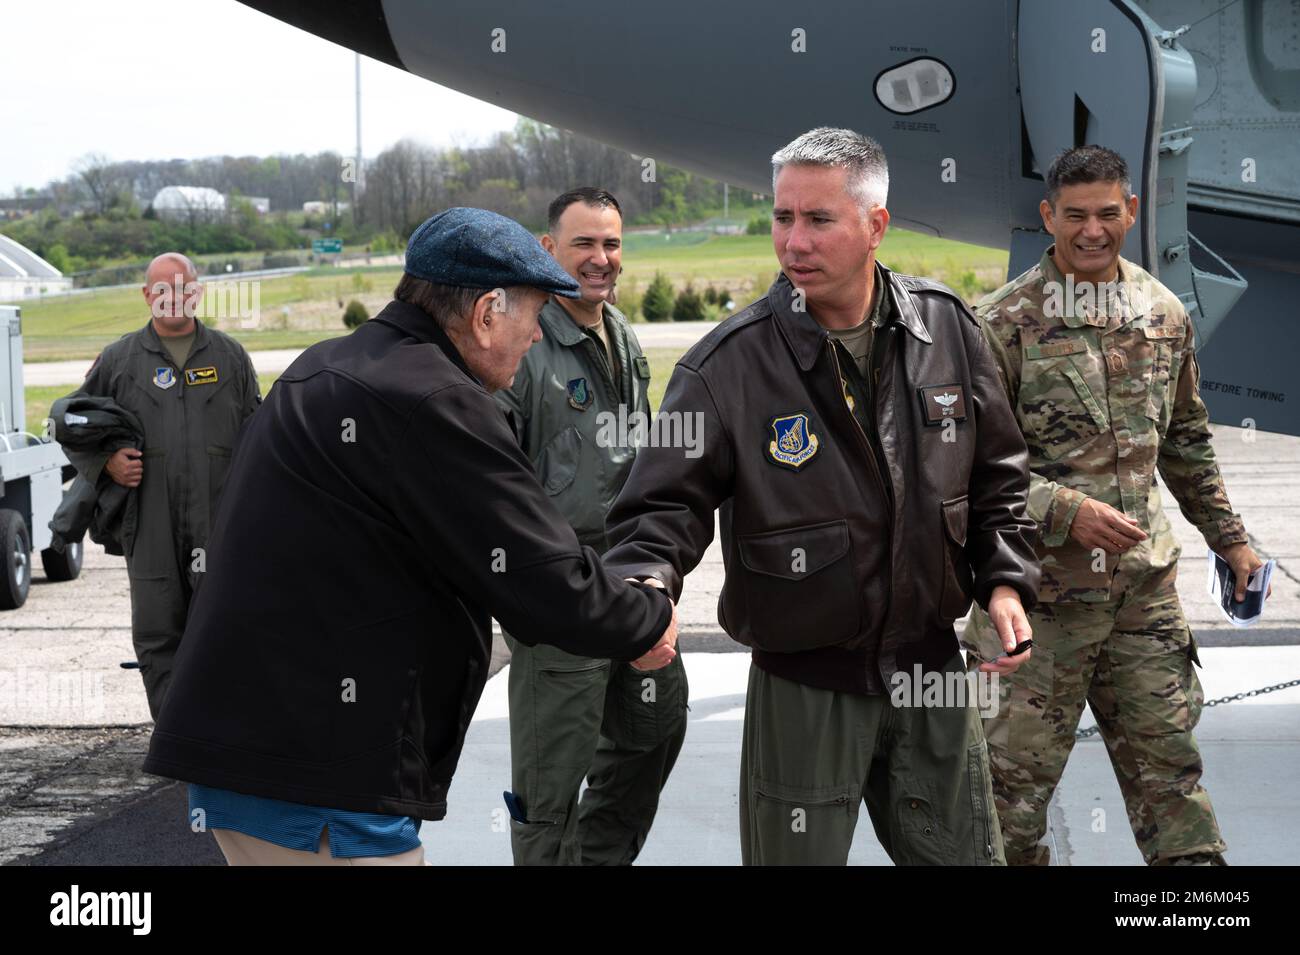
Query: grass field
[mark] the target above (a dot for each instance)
(299, 310)
(702, 257)
(296, 311)
(302, 309)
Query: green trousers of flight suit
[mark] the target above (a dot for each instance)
(573, 717)
(810, 757)
(162, 584)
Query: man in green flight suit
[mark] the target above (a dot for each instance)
(573, 716)
(191, 387)
(1098, 361)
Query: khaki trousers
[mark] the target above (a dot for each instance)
(242, 849)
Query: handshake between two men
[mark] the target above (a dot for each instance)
(1005, 611)
(663, 652)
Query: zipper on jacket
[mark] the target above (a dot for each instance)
(601, 359)
(880, 481)
(862, 437)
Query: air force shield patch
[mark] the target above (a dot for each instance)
(580, 395)
(793, 442)
(164, 377)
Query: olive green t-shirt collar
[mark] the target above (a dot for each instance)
(882, 311)
(178, 347)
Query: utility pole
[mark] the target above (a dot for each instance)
(357, 183)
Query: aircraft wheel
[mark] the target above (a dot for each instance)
(16, 552)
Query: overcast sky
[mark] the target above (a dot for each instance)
(148, 79)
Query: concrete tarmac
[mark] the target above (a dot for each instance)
(74, 725)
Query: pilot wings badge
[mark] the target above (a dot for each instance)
(942, 403)
(793, 441)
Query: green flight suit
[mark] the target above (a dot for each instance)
(573, 716)
(191, 416)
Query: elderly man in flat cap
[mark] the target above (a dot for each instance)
(377, 512)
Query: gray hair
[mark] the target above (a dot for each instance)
(445, 304)
(868, 173)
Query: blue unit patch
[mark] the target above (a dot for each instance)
(793, 442)
(580, 395)
(164, 377)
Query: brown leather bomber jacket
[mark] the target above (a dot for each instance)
(837, 575)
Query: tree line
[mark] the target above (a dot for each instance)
(99, 213)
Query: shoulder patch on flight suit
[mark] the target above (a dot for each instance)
(642, 365)
(580, 396)
(164, 377)
(793, 443)
(201, 376)
(942, 402)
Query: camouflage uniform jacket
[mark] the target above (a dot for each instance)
(1104, 385)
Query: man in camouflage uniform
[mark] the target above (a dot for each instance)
(1098, 362)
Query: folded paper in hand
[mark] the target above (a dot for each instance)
(1223, 589)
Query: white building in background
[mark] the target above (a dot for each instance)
(24, 274)
(189, 202)
(316, 207)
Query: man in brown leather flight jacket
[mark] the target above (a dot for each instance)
(872, 481)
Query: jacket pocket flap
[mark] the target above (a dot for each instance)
(796, 553)
(955, 516)
(557, 465)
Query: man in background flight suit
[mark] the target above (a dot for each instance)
(1101, 372)
(191, 387)
(573, 716)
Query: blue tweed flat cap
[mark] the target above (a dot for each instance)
(475, 248)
